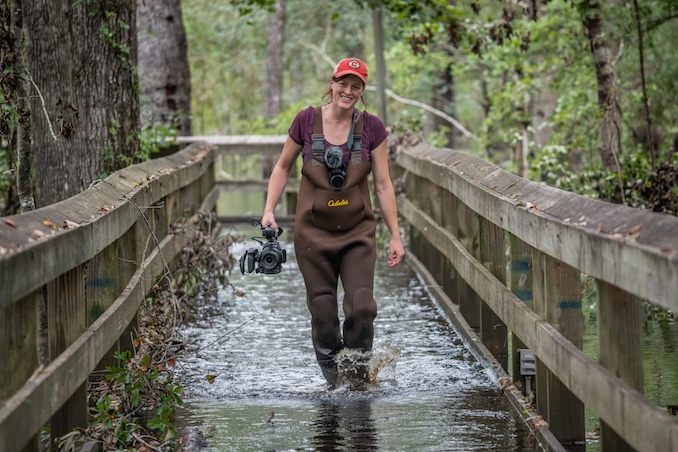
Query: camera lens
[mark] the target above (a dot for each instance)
(337, 180)
(270, 260)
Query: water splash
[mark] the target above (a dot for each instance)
(361, 369)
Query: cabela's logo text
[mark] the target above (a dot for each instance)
(337, 202)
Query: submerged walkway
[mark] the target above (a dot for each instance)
(255, 384)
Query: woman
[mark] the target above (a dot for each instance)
(334, 232)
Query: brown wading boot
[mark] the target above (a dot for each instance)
(330, 372)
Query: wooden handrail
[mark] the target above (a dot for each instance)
(632, 250)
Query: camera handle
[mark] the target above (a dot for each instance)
(256, 221)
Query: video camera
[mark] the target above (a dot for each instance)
(270, 257)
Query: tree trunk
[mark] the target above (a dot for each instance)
(274, 62)
(608, 128)
(164, 75)
(82, 56)
(23, 179)
(443, 100)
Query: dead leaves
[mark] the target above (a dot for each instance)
(50, 225)
(210, 378)
(11, 223)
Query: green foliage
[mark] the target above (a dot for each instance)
(140, 397)
(152, 140)
(228, 51)
(641, 184)
(532, 70)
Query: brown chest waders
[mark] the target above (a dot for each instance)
(334, 237)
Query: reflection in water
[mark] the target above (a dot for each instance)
(344, 426)
(258, 347)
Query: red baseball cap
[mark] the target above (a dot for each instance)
(351, 66)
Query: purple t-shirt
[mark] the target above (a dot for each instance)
(374, 133)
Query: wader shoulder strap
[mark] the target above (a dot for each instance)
(317, 136)
(355, 137)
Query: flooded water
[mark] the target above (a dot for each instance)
(254, 385)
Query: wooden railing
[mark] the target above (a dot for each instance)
(509, 254)
(89, 262)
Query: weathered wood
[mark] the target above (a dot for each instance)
(520, 283)
(620, 351)
(540, 430)
(610, 397)
(66, 320)
(49, 252)
(33, 404)
(469, 233)
(557, 298)
(493, 331)
(19, 353)
(241, 144)
(90, 246)
(632, 249)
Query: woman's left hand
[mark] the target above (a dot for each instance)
(396, 252)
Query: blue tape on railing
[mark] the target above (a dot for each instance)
(570, 305)
(520, 266)
(524, 295)
(101, 282)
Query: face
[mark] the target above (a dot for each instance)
(347, 91)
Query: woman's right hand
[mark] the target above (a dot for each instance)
(268, 220)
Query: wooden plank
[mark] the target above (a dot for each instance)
(28, 409)
(620, 339)
(66, 320)
(558, 300)
(241, 144)
(539, 307)
(629, 248)
(605, 393)
(520, 283)
(469, 233)
(493, 331)
(19, 352)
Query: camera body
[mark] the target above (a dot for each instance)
(269, 258)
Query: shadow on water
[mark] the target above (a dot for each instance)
(252, 383)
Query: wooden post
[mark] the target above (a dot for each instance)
(493, 332)
(18, 353)
(66, 321)
(449, 221)
(520, 283)
(619, 348)
(107, 275)
(539, 290)
(469, 234)
(557, 299)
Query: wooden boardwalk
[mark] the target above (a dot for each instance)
(507, 253)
